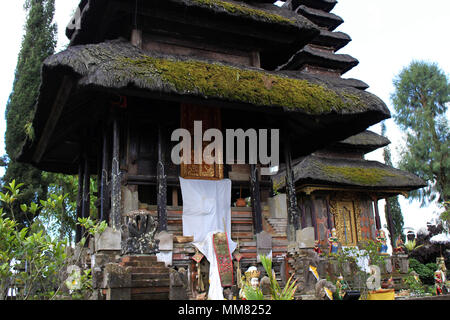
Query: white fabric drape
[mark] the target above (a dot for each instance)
(206, 206)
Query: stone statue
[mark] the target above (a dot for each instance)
(333, 241)
(325, 290)
(251, 278)
(138, 233)
(440, 277)
(341, 286)
(381, 238)
(399, 245)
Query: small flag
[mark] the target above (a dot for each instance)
(314, 272)
(329, 293)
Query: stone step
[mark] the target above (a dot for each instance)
(150, 296)
(139, 259)
(160, 270)
(150, 290)
(149, 276)
(145, 264)
(150, 283)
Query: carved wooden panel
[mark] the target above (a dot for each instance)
(347, 221)
(210, 118)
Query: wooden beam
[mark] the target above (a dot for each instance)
(314, 216)
(161, 184)
(293, 211)
(54, 115)
(86, 205)
(116, 192)
(79, 230)
(377, 214)
(255, 196)
(104, 178)
(329, 218)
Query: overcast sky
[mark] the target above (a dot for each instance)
(387, 35)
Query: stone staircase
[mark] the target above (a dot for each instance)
(150, 279)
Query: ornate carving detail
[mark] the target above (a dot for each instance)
(347, 221)
(138, 233)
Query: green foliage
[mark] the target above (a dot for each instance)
(277, 293)
(31, 260)
(422, 93)
(414, 285)
(425, 271)
(214, 80)
(38, 43)
(287, 293)
(411, 245)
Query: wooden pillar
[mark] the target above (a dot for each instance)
(377, 214)
(161, 184)
(292, 207)
(314, 216)
(329, 218)
(116, 192)
(104, 179)
(255, 199)
(79, 230)
(303, 213)
(86, 206)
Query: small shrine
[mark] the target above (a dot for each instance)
(338, 189)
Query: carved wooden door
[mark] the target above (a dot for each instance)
(346, 224)
(210, 118)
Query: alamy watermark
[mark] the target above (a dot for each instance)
(235, 146)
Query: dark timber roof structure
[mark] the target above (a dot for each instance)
(291, 80)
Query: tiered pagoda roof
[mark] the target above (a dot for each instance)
(273, 65)
(320, 54)
(341, 165)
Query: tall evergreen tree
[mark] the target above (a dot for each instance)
(422, 93)
(392, 209)
(38, 43)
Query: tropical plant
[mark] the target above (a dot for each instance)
(411, 245)
(287, 293)
(277, 293)
(31, 260)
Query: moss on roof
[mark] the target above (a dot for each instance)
(359, 175)
(214, 80)
(235, 8)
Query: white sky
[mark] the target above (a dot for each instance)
(387, 35)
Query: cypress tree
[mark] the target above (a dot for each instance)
(38, 43)
(392, 209)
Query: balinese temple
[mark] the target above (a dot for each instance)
(338, 188)
(135, 71)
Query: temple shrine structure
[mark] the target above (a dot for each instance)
(135, 71)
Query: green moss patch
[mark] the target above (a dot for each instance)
(357, 175)
(212, 80)
(245, 11)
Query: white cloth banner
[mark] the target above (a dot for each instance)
(206, 206)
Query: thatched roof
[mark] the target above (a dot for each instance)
(275, 32)
(367, 141)
(314, 170)
(326, 5)
(117, 65)
(319, 110)
(321, 58)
